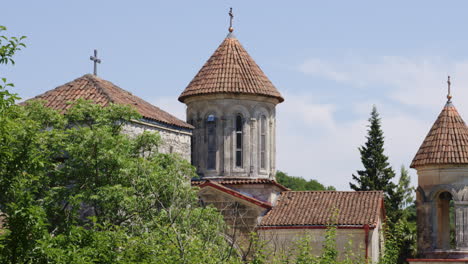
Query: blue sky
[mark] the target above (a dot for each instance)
(332, 60)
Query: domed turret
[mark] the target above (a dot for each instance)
(231, 103)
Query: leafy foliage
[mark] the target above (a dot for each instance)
(74, 189)
(299, 183)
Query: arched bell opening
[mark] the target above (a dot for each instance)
(445, 221)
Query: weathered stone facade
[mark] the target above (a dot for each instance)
(441, 187)
(173, 139)
(285, 241)
(442, 193)
(216, 116)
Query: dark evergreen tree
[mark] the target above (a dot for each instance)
(377, 174)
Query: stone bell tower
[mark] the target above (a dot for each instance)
(442, 194)
(231, 103)
(232, 106)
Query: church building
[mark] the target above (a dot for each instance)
(231, 104)
(442, 194)
(230, 138)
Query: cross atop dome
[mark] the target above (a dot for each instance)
(449, 95)
(231, 17)
(231, 70)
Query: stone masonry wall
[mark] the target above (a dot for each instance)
(173, 141)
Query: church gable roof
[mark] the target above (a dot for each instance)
(321, 208)
(102, 92)
(446, 142)
(230, 70)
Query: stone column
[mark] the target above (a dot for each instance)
(272, 147)
(424, 224)
(222, 149)
(461, 224)
(228, 160)
(253, 148)
(247, 148)
(200, 145)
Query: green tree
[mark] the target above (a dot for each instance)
(377, 173)
(77, 190)
(74, 189)
(8, 47)
(300, 184)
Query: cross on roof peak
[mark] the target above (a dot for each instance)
(96, 61)
(231, 17)
(449, 95)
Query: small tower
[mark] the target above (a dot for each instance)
(231, 103)
(442, 194)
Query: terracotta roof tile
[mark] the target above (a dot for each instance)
(102, 92)
(241, 181)
(446, 142)
(230, 70)
(317, 208)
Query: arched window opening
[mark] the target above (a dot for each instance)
(211, 131)
(239, 139)
(445, 221)
(263, 142)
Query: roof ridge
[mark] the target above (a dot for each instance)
(93, 79)
(103, 92)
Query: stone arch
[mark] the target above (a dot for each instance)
(436, 190)
(444, 219)
(258, 111)
(422, 195)
(211, 110)
(238, 109)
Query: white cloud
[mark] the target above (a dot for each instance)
(411, 81)
(326, 149)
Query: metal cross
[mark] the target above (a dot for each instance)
(449, 96)
(96, 61)
(231, 15)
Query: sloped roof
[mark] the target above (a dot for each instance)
(242, 181)
(235, 193)
(446, 142)
(230, 70)
(102, 92)
(317, 208)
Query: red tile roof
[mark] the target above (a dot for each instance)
(446, 142)
(230, 70)
(317, 208)
(242, 181)
(102, 92)
(235, 193)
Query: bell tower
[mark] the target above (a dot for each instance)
(231, 103)
(442, 194)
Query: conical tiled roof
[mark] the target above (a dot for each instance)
(230, 70)
(102, 92)
(447, 141)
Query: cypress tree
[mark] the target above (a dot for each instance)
(377, 173)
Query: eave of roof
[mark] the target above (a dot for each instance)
(235, 194)
(230, 70)
(243, 181)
